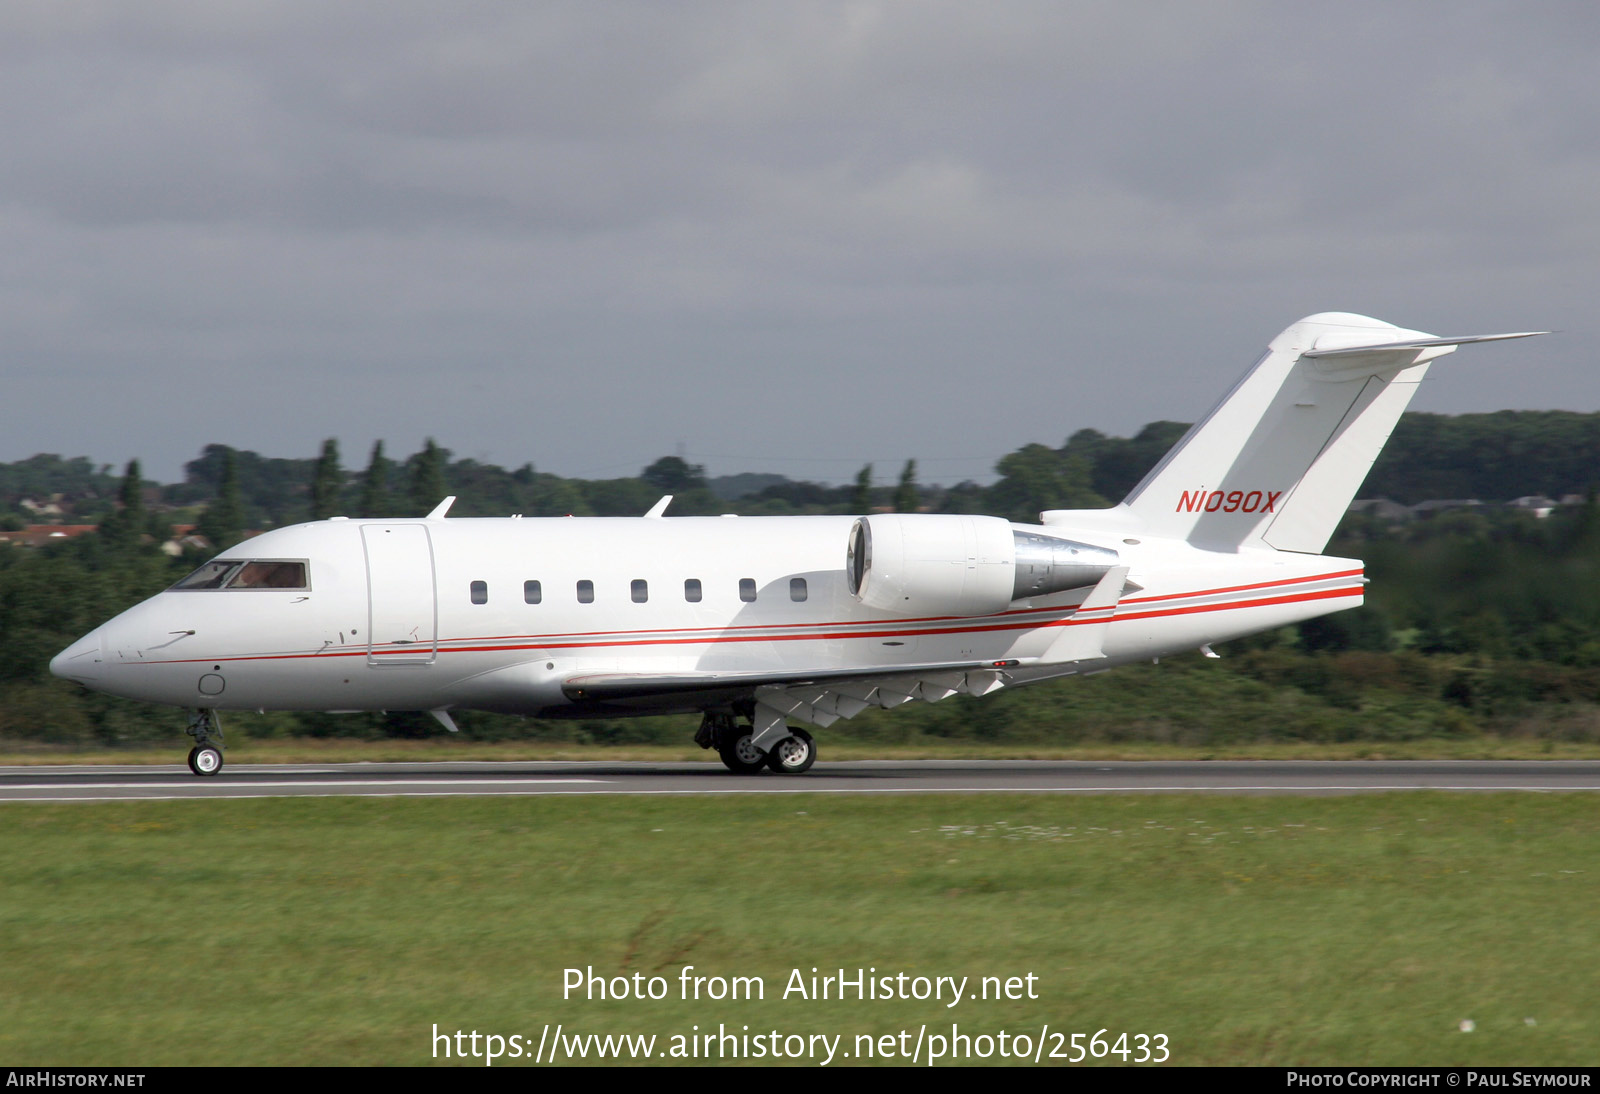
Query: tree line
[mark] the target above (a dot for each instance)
(1493, 457)
(1476, 622)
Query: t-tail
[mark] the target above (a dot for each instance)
(1277, 462)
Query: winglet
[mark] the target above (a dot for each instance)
(659, 509)
(441, 509)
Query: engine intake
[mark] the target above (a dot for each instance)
(935, 564)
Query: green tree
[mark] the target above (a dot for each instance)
(1036, 478)
(126, 527)
(905, 495)
(861, 500)
(556, 497)
(1363, 628)
(965, 497)
(375, 484)
(223, 520)
(672, 475)
(1118, 463)
(618, 497)
(327, 482)
(271, 490)
(427, 477)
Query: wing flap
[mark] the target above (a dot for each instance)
(614, 686)
(821, 697)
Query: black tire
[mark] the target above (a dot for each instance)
(205, 760)
(793, 755)
(739, 755)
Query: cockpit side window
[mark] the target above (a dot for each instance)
(270, 575)
(235, 573)
(213, 575)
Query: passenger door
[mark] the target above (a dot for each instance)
(402, 618)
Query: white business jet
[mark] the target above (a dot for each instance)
(761, 622)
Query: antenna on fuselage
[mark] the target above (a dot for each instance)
(442, 508)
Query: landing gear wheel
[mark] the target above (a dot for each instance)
(740, 755)
(205, 759)
(793, 755)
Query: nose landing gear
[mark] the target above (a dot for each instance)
(205, 758)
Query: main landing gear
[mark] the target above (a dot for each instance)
(793, 755)
(205, 758)
(735, 744)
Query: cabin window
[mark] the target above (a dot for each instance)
(531, 592)
(747, 589)
(797, 589)
(585, 592)
(480, 592)
(640, 590)
(691, 590)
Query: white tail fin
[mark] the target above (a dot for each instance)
(1279, 460)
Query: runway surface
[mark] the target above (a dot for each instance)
(84, 783)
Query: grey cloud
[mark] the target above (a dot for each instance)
(471, 218)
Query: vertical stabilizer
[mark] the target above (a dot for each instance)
(1279, 460)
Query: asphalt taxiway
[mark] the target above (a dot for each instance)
(102, 783)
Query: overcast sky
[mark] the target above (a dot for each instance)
(791, 237)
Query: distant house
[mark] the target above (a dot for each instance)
(1435, 506)
(1393, 512)
(1537, 504)
(184, 538)
(1382, 509)
(37, 535)
(42, 509)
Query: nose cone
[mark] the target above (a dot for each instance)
(80, 661)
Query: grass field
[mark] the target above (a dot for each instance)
(1348, 930)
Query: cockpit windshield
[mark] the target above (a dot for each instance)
(238, 573)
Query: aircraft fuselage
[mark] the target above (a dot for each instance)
(496, 614)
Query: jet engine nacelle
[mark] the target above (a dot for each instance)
(935, 564)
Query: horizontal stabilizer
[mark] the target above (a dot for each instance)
(1335, 351)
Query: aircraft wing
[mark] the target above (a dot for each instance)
(820, 697)
(823, 696)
